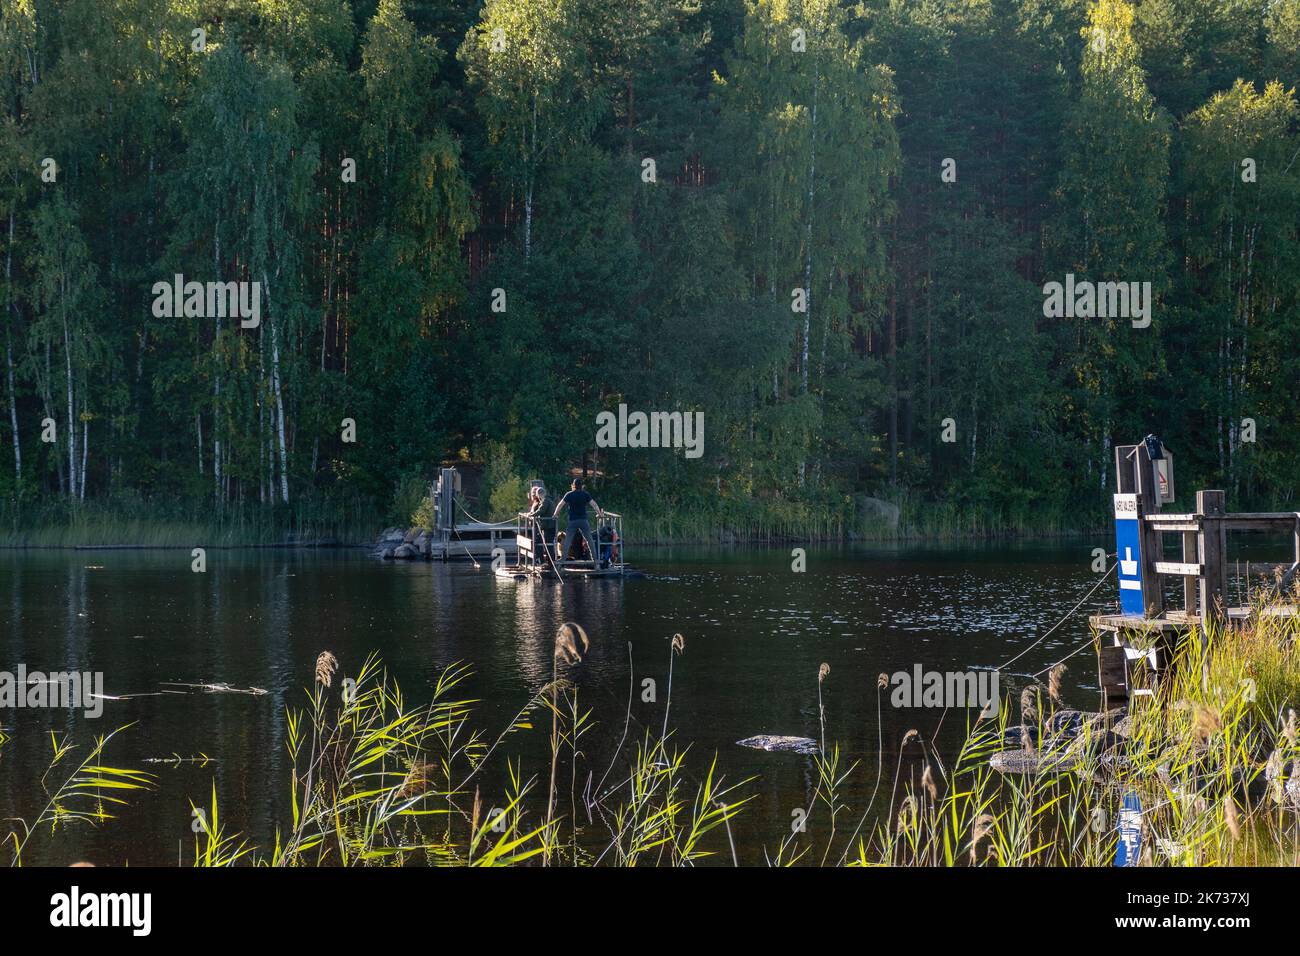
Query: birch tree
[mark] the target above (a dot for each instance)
(528, 67)
(67, 298)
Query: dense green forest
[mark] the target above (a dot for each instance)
(476, 225)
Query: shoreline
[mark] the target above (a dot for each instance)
(738, 543)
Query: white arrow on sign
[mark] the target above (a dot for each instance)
(1128, 567)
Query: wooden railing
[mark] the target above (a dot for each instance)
(1204, 567)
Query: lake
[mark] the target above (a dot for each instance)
(755, 632)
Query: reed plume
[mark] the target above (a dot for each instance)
(982, 827)
(571, 643)
(927, 781)
(1230, 817)
(1206, 722)
(1029, 698)
(1054, 684)
(416, 780)
(326, 665)
(906, 814)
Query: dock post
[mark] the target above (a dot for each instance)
(1211, 542)
(446, 508)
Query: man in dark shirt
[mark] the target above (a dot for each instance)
(577, 501)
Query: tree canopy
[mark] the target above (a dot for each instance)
(826, 224)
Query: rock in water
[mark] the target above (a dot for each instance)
(878, 511)
(1031, 762)
(779, 744)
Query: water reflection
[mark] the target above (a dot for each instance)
(756, 634)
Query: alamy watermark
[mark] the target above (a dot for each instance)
(65, 690)
(208, 300)
(1098, 300)
(948, 689)
(133, 911)
(654, 430)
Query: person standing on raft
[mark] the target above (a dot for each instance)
(539, 502)
(577, 500)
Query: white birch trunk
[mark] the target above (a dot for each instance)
(216, 377)
(72, 428)
(9, 350)
(85, 444)
(279, 400)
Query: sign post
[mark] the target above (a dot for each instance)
(1128, 549)
(1141, 487)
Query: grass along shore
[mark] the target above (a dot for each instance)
(1213, 756)
(136, 523)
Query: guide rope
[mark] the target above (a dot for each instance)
(1078, 650)
(490, 524)
(1068, 613)
(537, 525)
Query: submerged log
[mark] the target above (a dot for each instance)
(779, 744)
(1032, 761)
(221, 687)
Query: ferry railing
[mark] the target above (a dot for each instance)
(530, 535)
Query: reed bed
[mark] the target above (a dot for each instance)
(1211, 755)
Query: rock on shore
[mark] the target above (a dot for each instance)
(394, 544)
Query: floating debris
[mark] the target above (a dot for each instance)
(176, 760)
(780, 744)
(1283, 780)
(1171, 848)
(218, 688)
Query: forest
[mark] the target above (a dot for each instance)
(474, 227)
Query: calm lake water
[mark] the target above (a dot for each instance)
(756, 634)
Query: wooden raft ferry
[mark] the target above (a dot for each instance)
(539, 555)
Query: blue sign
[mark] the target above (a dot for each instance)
(1130, 831)
(1128, 548)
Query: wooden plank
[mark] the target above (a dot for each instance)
(1178, 569)
(1174, 527)
(1258, 525)
(1281, 610)
(1112, 672)
(1125, 473)
(1287, 516)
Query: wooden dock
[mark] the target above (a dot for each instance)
(1172, 622)
(1146, 631)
